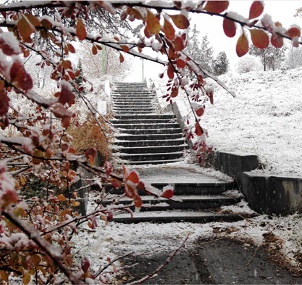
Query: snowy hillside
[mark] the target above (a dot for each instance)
(265, 118)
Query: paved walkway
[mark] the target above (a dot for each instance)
(219, 261)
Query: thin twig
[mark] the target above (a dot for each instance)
(111, 262)
(168, 260)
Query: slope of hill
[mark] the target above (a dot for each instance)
(265, 118)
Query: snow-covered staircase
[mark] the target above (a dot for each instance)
(145, 137)
(197, 198)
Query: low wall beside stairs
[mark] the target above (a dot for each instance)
(265, 192)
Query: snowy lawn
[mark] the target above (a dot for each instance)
(264, 118)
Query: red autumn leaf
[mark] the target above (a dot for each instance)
(141, 186)
(133, 177)
(200, 79)
(137, 201)
(66, 96)
(293, 32)
(33, 20)
(256, 9)
(210, 94)
(71, 74)
(65, 122)
(180, 63)
(242, 46)
(46, 24)
(4, 101)
(26, 277)
(62, 198)
(94, 50)
(37, 156)
(121, 58)
(130, 191)
(25, 28)
(168, 194)
(134, 14)
(198, 129)
(260, 38)
(168, 30)
(7, 48)
(85, 264)
(229, 27)
(19, 77)
(199, 112)
(66, 64)
(174, 92)
(81, 30)
(178, 44)
(71, 48)
(216, 6)
(152, 24)
(277, 41)
(180, 21)
(170, 71)
(116, 183)
(125, 48)
(90, 154)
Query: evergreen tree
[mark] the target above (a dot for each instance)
(202, 52)
(220, 64)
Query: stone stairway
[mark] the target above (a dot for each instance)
(146, 137)
(198, 198)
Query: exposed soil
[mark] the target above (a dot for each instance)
(217, 261)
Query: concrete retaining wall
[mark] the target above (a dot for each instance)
(265, 192)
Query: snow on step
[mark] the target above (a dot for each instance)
(175, 216)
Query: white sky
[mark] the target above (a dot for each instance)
(282, 11)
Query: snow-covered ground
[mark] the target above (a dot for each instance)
(114, 240)
(264, 118)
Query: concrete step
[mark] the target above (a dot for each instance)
(151, 156)
(147, 126)
(149, 137)
(124, 98)
(130, 103)
(143, 121)
(134, 108)
(131, 112)
(193, 202)
(151, 149)
(152, 161)
(176, 216)
(140, 143)
(153, 131)
(135, 96)
(143, 116)
(187, 188)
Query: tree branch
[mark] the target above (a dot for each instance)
(48, 248)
